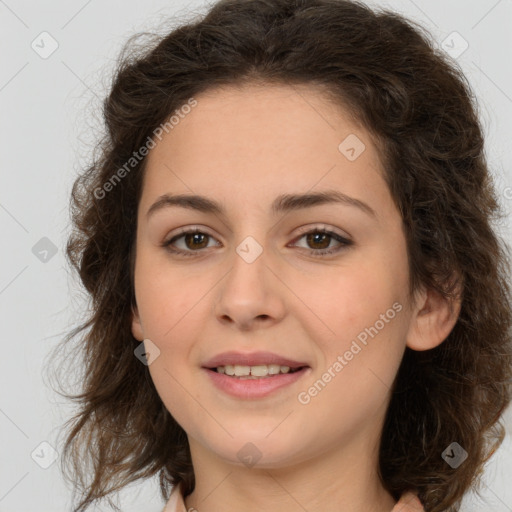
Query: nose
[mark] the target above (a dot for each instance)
(251, 295)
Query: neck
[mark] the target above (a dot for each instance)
(344, 479)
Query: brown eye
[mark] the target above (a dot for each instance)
(188, 243)
(195, 240)
(319, 242)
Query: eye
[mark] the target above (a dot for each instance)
(195, 240)
(320, 239)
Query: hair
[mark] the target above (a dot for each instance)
(418, 107)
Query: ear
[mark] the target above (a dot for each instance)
(434, 317)
(136, 325)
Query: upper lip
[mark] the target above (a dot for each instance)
(251, 359)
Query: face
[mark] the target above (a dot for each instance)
(318, 285)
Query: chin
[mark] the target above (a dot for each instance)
(257, 449)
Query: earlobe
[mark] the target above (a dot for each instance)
(433, 320)
(136, 325)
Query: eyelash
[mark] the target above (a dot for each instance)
(316, 253)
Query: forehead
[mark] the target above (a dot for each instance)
(258, 141)
(254, 117)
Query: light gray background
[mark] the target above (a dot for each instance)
(50, 108)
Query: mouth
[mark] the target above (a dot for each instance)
(255, 375)
(261, 371)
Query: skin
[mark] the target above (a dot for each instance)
(243, 147)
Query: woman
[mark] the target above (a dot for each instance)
(298, 298)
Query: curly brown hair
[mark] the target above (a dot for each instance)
(419, 108)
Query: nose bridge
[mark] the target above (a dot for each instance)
(248, 271)
(250, 290)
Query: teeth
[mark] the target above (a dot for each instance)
(262, 370)
(274, 369)
(242, 371)
(257, 371)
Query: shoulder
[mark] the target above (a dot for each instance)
(408, 502)
(175, 503)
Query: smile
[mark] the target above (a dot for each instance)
(251, 387)
(255, 372)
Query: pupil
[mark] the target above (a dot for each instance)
(193, 238)
(321, 235)
(315, 238)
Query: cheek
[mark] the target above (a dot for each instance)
(360, 359)
(353, 298)
(166, 300)
(172, 316)
(364, 308)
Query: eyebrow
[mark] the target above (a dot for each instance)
(282, 204)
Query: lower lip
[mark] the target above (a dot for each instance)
(254, 388)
